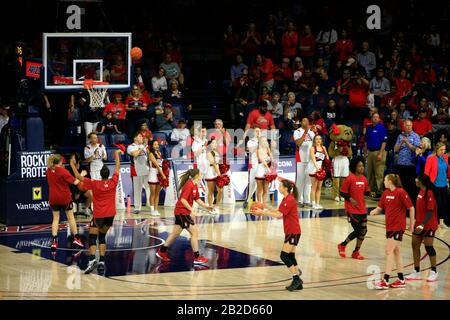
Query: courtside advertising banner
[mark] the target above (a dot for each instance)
(32, 165)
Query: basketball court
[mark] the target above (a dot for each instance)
(244, 260)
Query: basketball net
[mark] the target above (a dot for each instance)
(97, 93)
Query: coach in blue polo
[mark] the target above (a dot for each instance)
(375, 143)
(407, 143)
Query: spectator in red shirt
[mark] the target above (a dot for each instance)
(118, 71)
(289, 41)
(344, 47)
(265, 95)
(265, 68)
(251, 41)
(318, 124)
(422, 126)
(307, 46)
(423, 104)
(403, 84)
(282, 74)
(118, 109)
(425, 75)
(230, 44)
(261, 118)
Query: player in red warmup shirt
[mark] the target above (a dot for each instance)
(394, 201)
(354, 188)
(104, 194)
(59, 179)
(292, 231)
(425, 228)
(183, 219)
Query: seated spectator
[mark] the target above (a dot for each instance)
(140, 79)
(173, 71)
(344, 82)
(318, 125)
(444, 104)
(403, 112)
(298, 69)
(282, 74)
(156, 107)
(118, 109)
(442, 136)
(390, 100)
(403, 84)
(175, 97)
(180, 134)
(136, 109)
(410, 71)
(325, 85)
(174, 52)
(291, 106)
(145, 132)
(265, 68)
(265, 95)
(108, 124)
(159, 81)
(395, 118)
(331, 114)
(237, 67)
(425, 75)
(165, 120)
(276, 109)
(422, 126)
(260, 117)
(344, 47)
(118, 71)
(423, 104)
(307, 83)
(379, 85)
(441, 117)
(318, 67)
(285, 89)
(367, 59)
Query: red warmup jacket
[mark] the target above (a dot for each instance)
(431, 167)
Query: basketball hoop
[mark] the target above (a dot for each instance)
(97, 92)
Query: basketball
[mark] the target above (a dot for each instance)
(255, 206)
(136, 53)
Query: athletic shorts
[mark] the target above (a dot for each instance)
(101, 222)
(426, 233)
(184, 221)
(292, 239)
(356, 218)
(62, 207)
(396, 235)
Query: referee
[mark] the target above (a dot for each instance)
(374, 152)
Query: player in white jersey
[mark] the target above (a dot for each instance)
(95, 153)
(140, 170)
(303, 137)
(252, 146)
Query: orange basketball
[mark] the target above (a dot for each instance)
(255, 206)
(136, 53)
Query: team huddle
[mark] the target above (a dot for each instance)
(147, 173)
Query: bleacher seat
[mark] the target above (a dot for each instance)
(118, 138)
(110, 154)
(103, 139)
(161, 136)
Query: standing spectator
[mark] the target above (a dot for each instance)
(180, 134)
(344, 47)
(438, 169)
(422, 153)
(118, 71)
(327, 36)
(159, 81)
(230, 44)
(95, 154)
(276, 109)
(270, 46)
(403, 112)
(140, 79)
(108, 124)
(282, 74)
(292, 110)
(325, 85)
(367, 59)
(91, 117)
(237, 67)
(140, 170)
(221, 136)
(307, 46)
(265, 68)
(442, 136)
(145, 132)
(344, 83)
(307, 83)
(425, 76)
(374, 151)
(318, 125)
(244, 100)
(173, 71)
(118, 110)
(422, 126)
(392, 135)
(331, 114)
(379, 86)
(289, 41)
(136, 108)
(251, 41)
(403, 84)
(406, 146)
(261, 118)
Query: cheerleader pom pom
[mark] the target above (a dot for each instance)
(271, 177)
(223, 168)
(321, 175)
(223, 181)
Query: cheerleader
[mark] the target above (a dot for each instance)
(155, 159)
(317, 154)
(252, 146)
(199, 149)
(394, 201)
(212, 173)
(424, 228)
(264, 161)
(183, 220)
(292, 231)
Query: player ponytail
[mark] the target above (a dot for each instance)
(426, 182)
(291, 187)
(191, 173)
(395, 179)
(53, 160)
